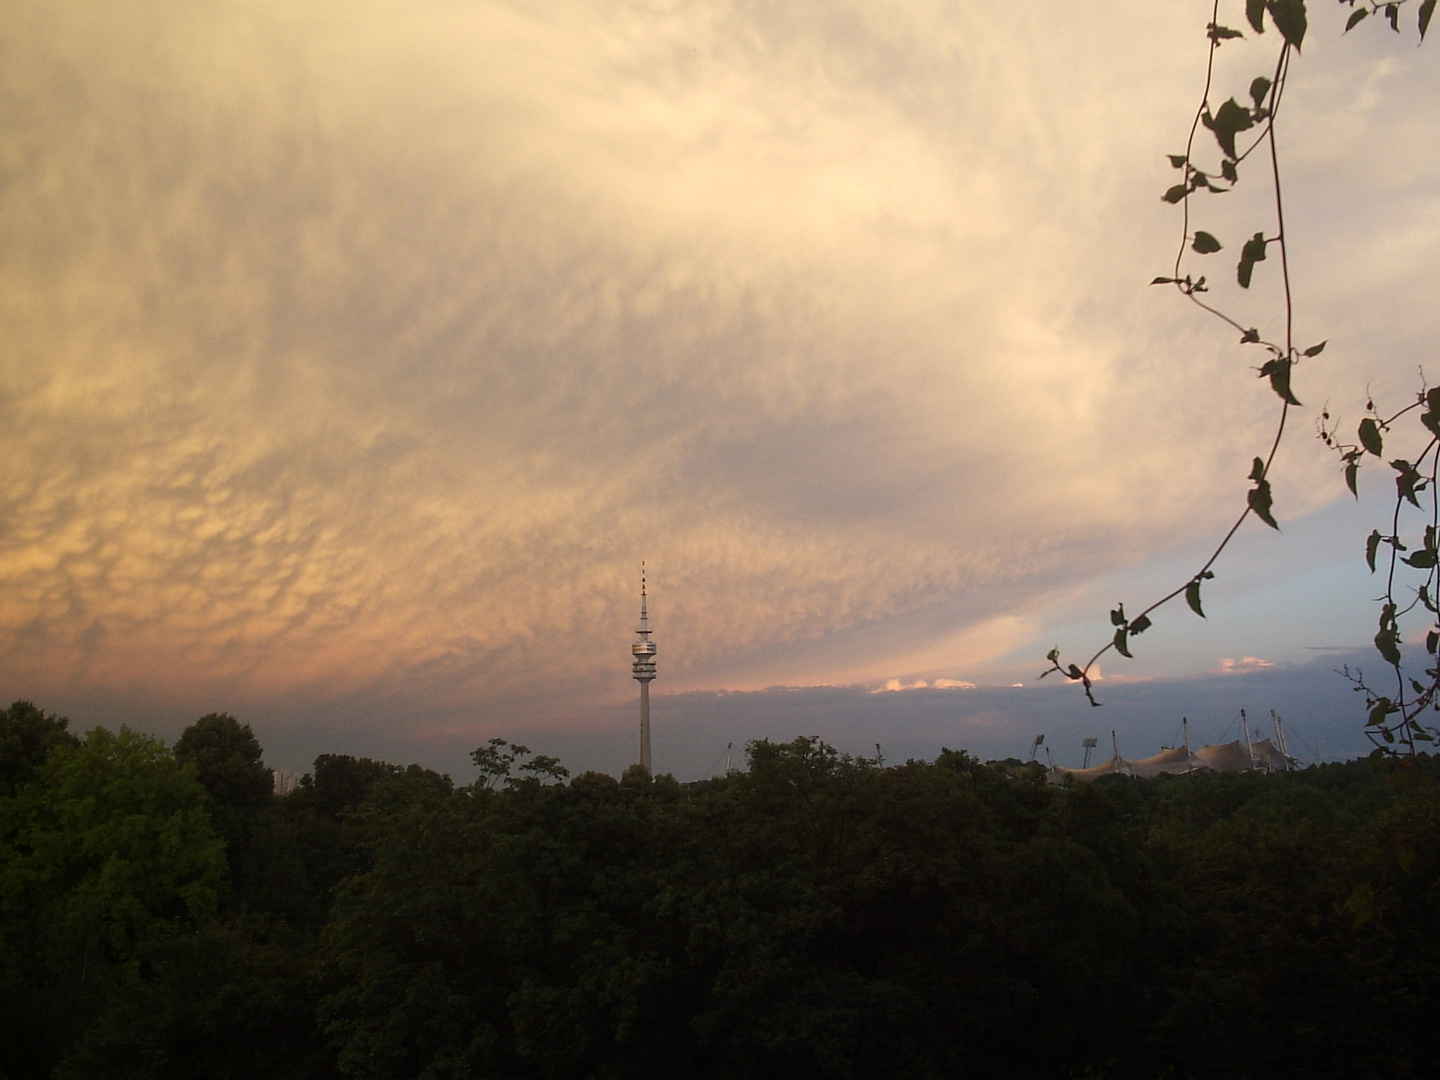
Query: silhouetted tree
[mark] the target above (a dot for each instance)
(27, 735)
(107, 852)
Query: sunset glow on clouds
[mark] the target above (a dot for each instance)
(1230, 666)
(361, 352)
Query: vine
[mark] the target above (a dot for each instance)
(1240, 129)
(1393, 719)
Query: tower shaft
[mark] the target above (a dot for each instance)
(645, 725)
(644, 671)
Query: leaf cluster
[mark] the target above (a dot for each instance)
(1397, 717)
(1389, 10)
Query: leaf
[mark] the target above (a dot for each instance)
(1120, 646)
(1176, 193)
(1192, 597)
(1227, 170)
(1392, 12)
(1074, 673)
(1316, 350)
(1370, 436)
(1259, 87)
(1255, 12)
(1259, 499)
(1379, 711)
(1231, 119)
(1140, 625)
(1352, 472)
(1405, 859)
(1357, 16)
(1250, 254)
(1372, 545)
(1250, 337)
(1257, 470)
(1421, 559)
(1432, 642)
(1216, 32)
(1117, 617)
(1388, 644)
(1408, 481)
(1279, 371)
(1289, 16)
(1427, 9)
(1177, 160)
(1164, 281)
(1205, 244)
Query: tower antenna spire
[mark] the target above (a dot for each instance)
(644, 671)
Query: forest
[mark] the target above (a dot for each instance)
(165, 913)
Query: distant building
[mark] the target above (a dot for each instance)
(1242, 755)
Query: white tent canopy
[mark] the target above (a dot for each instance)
(1259, 755)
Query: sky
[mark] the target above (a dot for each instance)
(354, 356)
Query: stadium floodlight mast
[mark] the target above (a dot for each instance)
(1039, 742)
(644, 672)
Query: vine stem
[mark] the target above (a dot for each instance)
(1190, 140)
(1226, 123)
(1187, 289)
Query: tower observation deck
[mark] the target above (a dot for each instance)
(644, 672)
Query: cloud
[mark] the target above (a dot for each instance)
(1231, 666)
(359, 354)
(892, 685)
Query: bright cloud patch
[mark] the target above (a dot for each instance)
(1230, 666)
(892, 685)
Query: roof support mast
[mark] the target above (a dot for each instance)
(1279, 734)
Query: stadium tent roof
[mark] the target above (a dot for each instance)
(1227, 757)
(1116, 766)
(1262, 755)
(1175, 761)
(1270, 757)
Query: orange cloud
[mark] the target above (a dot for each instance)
(380, 351)
(1229, 666)
(893, 685)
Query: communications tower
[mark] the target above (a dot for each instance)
(644, 669)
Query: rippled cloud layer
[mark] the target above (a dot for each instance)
(367, 349)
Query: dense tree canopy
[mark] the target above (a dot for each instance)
(226, 756)
(27, 735)
(815, 915)
(106, 852)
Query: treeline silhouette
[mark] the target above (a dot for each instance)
(167, 915)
